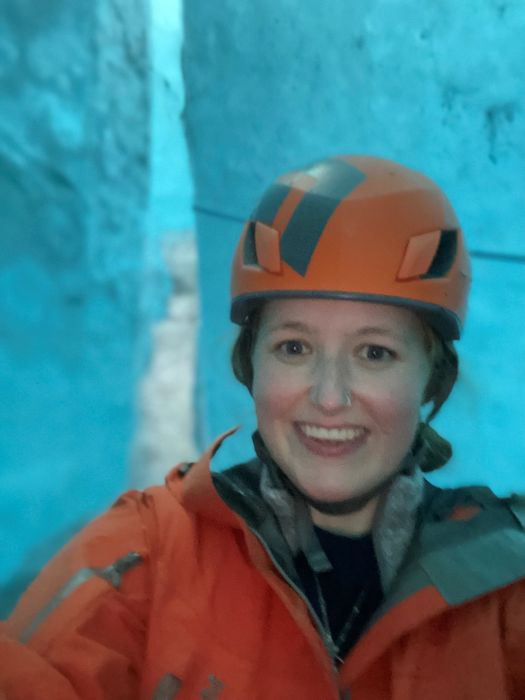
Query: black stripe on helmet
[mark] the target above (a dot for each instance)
(336, 179)
(271, 201)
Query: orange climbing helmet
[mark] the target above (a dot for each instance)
(355, 227)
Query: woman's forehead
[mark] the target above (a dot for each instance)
(341, 313)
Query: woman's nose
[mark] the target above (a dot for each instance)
(330, 390)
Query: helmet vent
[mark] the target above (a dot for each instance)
(444, 256)
(249, 256)
(261, 247)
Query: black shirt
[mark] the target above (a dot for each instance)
(354, 578)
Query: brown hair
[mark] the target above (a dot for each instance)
(432, 450)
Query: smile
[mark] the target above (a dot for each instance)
(318, 432)
(331, 443)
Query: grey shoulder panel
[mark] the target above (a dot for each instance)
(465, 570)
(468, 558)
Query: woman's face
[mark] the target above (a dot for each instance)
(338, 387)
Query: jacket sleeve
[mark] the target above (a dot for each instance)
(513, 622)
(79, 630)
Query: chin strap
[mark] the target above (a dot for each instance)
(394, 524)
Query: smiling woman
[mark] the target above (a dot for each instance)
(326, 566)
(338, 387)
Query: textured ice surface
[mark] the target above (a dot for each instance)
(81, 270)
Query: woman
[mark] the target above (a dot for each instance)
(326, 567)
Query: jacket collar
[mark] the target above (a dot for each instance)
(232, 498)
(192, 485)
(445, 546)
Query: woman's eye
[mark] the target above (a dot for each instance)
(292, 348)
(376, 353)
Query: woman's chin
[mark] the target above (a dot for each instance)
(337, 494)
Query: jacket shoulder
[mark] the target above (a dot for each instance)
(440, 503)
(112, 552)
(471, 542)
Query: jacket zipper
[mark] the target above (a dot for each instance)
(320, 627)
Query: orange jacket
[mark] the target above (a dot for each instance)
(172, 595)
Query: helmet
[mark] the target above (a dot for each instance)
(355, 227)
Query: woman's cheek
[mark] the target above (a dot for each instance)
(275, 390)
(395, 409)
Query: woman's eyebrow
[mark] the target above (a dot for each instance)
(290, 326)
(379, 330)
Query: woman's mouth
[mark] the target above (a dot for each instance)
(330, 442)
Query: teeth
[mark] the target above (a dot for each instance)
(335, 434)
